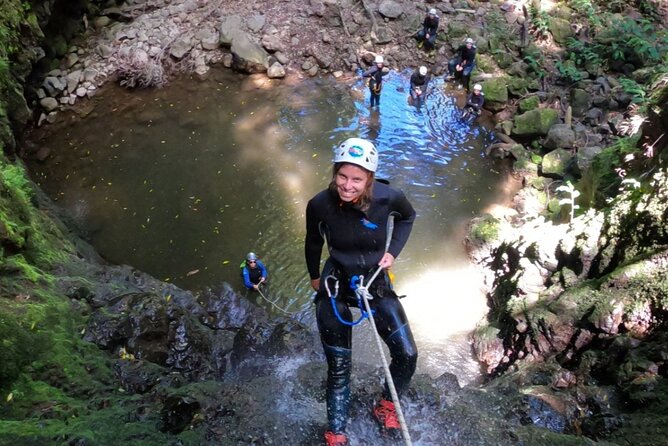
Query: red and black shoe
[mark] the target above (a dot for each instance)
(386, 414)
(332, 439)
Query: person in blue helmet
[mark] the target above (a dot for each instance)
(253, 272)
(353, 215)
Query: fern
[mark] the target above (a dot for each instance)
(638, 94)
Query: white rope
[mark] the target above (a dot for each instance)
(286, 312)
(363, 290)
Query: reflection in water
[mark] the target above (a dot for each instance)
(182, 182)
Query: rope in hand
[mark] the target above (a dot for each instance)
(363, 292)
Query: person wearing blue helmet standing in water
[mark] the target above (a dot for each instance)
(353, 215)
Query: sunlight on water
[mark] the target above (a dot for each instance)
(182, 182)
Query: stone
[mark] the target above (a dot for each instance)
(390, 9)
(282, 58)
(249, 56)
(180, 48)
(89, 74)
(81, 92)
(585, 155)
(49, 104)
(272, 42)
(535, 122)
(230, 27)
(101, 22)
(256, 23)
(209, 39)
(580, 100)
(496, 93)
(560, 136)
(561, 30)
(556, 163)
(73, 79)
(71, 59)
(530, 103)
(276, 71)
(104, 51)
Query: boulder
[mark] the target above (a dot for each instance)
(390, 9)
(230, 27)
(535, 122)
(249, 56)
(496, 94)
(256, 23)
(49, 104)
(580, 100)
(272, 42)
(180, 48)
(528, 104)
(556, 163)
(560, 29)
(73, 79)
(560, 136)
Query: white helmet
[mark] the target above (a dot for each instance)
(477, 87)
(379, 59)
(469, 40)
(251, 256)
(357, 151)
(423, 70)
(432, 11)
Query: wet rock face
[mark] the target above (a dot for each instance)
(194, 335)
(177, 414)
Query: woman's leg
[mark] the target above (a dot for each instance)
(336, 340)
(393, 328)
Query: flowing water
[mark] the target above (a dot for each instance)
(182, 182)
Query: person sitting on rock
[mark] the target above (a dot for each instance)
(419, 84)
(463, 63)
(375, 75)
(427, 35)
(253, 271)
(475, 101)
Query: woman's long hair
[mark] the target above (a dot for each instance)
(364, 201)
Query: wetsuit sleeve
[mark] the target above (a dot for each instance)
(313, 242)
(413, 81)
(482, 101)
(469, 100)
(434, 26)
(246, 276)
(263, 269)
(404, 216)
(370, 71)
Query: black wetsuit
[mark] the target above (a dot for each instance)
(356, 242)
(375, 82)
(475, 101)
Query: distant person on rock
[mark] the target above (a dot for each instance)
(375, 75)
(427, 35)
(475, 101)
(366, 224)
(253, 272)
(419, 84)
(463, 63)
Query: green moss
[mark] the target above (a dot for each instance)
(486, 230)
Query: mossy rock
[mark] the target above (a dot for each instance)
(485, 229)
(556, 163)
(520, 86)
(530, 103)
(535, 122)
(485, 63)
(457, 32)
(580, 101)
(496, 93)
(503, 59)
(560, 29)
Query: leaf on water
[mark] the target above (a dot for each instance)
(32, 326)
(192, 273)
(10, 396)
(433, 195)
(168, 297)
(225, 262)
(314, 155)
